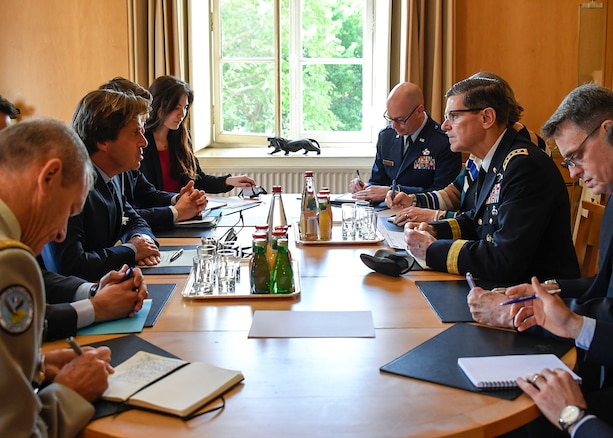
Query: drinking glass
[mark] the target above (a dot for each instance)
(348, 224)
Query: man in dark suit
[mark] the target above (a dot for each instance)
(412, 150)
(582, 128)
(519, 226)
(73, 303)
(160, 209)
(111, 126)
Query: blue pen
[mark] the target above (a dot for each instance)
(393, 189)
(128, 274)
(529, 298)
(470, 280)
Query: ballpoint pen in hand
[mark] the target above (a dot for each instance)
(470, 280)
(393, 189)
(529, 298)
(360, 182)
(74, 345)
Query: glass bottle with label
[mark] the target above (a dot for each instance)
(282, 274)
(259, 272)
(326, 192)
(309, 212)
(324, 217)
(276, 212)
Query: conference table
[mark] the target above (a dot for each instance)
(314, 387)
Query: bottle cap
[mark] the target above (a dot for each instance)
(263, 227)
(276, 189)
(308, 173)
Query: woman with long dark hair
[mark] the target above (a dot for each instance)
(169, 161)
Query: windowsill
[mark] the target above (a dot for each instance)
(259, 157)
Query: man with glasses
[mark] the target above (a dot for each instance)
(413, 152)
(582, 128)
(520, 224)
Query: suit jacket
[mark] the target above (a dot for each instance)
(594, 427)
(60, 316)
(151, 168)
(520, 225)
(428, 165)
(150, 203)
(89, 250)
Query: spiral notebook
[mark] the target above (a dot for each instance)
(495, 372)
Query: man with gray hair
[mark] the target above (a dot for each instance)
(44, 168)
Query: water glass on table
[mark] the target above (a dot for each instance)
(348, 218)
(204, 274)
(228, 263)
(369, 224)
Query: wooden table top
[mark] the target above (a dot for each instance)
(305, 387)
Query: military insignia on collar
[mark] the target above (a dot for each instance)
(16, 309)
(425, 152)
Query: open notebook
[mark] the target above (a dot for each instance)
(168, 385)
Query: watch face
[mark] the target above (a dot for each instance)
(569, 414)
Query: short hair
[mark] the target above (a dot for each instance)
(41, 139)
(101, 114)
(121, 84)
(483, 93)
(8, 108)
(515, 108)
(586, 106)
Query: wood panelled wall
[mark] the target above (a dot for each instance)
(532, 44)
(54, 51)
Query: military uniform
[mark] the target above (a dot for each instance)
(56, 410)
(428, 164)
(520, 225)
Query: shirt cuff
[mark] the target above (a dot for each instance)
(131, 246)
(85, 312)
(175, 213)
(82, 292)
(586, 335)
(174, 199)
(578, 425)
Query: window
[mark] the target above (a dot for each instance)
(294, 68)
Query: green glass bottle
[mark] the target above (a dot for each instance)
(282, 274)
(260, 271)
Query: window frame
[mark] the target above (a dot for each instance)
(205, 114)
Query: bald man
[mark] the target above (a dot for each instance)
(412, 150)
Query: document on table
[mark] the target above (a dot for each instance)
(311, 324)
(124, 325)
(185, 259)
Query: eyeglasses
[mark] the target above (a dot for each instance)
(399, 121)
(453, 115)
(571, 161)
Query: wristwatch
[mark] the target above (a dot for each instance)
(93, 289)
(552, 281)
(570, 415)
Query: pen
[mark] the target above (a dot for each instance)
(470, 280)
(529, 298)
(74, 345)
(176, 254)
(357, 171)
(393, 189)
(128, 274)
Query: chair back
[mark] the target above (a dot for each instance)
(587, 237)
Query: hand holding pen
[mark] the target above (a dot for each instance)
(360, 182)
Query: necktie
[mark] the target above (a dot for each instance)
(480, 180)
(407, 145)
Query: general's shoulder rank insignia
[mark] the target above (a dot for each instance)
(16, 309)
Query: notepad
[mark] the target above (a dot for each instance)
(495, 372)
(168, 385)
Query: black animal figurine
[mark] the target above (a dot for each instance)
(283, 144)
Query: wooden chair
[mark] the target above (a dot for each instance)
(587, 237)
